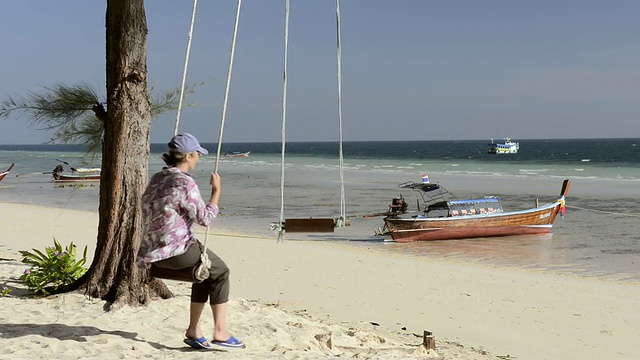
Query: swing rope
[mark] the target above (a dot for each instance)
(279, 226)
(203, 270)
(204, 257)
(342, 220)
(186, 65)
(228, 84)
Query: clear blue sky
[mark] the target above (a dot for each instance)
(412, 70)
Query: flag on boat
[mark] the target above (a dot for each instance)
(425, 178)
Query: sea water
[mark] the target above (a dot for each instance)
(598, 237)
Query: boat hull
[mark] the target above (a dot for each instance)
(77, 178)
(533, 221)
(5, 173)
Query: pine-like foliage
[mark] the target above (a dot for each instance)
(75, 113)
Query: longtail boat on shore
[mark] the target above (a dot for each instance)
(75, 177)
(5, 173)
(444, 219)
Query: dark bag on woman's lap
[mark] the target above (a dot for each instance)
(186, 274)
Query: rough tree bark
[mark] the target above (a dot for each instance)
(113, 275)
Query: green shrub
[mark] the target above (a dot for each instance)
(54, 268)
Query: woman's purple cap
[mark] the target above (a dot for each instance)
(186, 143)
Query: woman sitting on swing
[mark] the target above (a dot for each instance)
(170, 205)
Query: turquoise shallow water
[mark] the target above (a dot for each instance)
(599, 235)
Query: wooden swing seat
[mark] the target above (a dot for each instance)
(309, 225)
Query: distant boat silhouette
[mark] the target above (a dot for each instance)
(236, 154)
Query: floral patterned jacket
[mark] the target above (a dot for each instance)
(170, 205)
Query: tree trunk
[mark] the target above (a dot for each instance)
(114, 275)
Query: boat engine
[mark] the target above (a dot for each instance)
(398, 206)
(57, 171)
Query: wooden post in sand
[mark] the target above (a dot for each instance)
(428, 341)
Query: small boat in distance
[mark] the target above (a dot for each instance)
(80, 170)
(5, 173)
(446, 218)
(505, 147)
(236, 154)
(76, 176)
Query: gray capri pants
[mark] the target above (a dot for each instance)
(215, 287)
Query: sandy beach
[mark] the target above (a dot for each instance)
(315, 300)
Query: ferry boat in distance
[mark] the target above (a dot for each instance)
(505, 147)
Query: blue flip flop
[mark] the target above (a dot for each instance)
(230, 343)
(198, 344)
